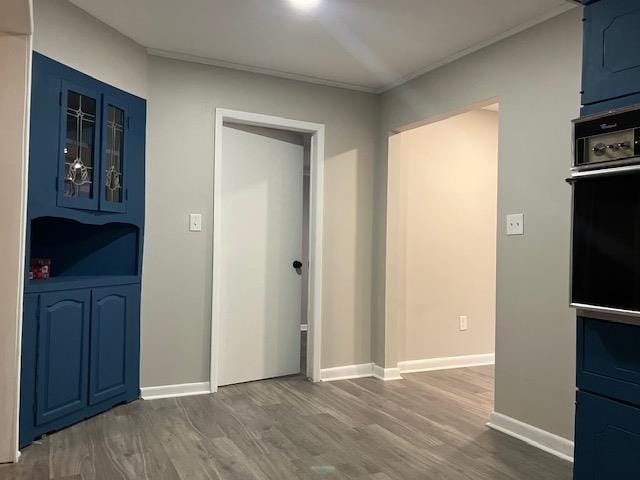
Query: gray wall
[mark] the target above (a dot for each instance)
(176, 297)
(536, 76)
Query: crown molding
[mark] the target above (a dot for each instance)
(185, 57)
(569, 5)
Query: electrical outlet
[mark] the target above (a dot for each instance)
(195, 222)
(464, 323)
(515, 224)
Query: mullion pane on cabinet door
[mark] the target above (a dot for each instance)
(114, 152)
(81, 124)
(80, 111)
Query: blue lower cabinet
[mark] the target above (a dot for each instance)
(607, 439)
(63, 354)
(80, 356)
(608, 363)
(113, 317)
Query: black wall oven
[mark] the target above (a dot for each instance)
(605, 274)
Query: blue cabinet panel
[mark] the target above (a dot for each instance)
(63, 354)
(607, 439)
(611, 58)
(609, 359)
(112, 320)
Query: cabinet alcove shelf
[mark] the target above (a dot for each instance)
(78, 249)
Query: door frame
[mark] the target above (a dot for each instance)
(316, 202)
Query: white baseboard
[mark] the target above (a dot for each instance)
(181, 390)
(346, 372)
(549, 442)
(359, 371)
(445, 363)
(386, 374)
(371, 370)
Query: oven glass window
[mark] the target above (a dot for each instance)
(606, 242)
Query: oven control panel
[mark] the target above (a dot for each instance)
(607, 140)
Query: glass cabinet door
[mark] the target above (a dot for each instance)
(114, 152)
(80, 111)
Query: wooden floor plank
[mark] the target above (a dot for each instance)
(428, 426)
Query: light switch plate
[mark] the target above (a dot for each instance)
(195, 222)
(515, 224)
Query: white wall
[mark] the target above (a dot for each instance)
(176, 312)
(15, 58)
(536, 76)
(441, 236)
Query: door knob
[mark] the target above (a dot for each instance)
(297, 264)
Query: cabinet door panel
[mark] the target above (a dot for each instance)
(607, 439)
(608, 362)
(63, 354)
(112, 318)
(79, 137)
(611, 61)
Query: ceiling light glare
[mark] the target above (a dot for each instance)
(304, 5)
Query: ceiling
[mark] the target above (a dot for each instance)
(363, 44)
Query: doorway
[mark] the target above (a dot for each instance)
(260, 270)
(442, 241)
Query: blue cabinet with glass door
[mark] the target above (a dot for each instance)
(85, 221)
(91, 172)
(87, 158)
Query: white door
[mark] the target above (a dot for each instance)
(260, 238)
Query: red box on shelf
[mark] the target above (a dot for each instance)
(40, 268)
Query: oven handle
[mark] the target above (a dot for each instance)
(575, 176)
(598, 309)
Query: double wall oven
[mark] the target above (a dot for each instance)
(605, 176)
